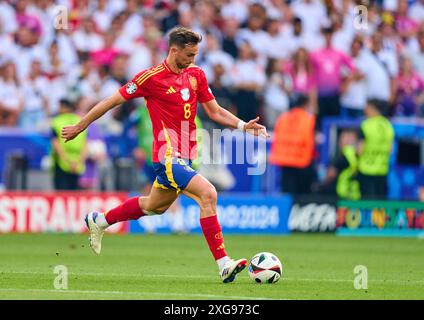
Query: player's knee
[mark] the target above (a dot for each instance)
(209, 196)
(152, 209)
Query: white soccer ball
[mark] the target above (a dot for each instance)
(265, 267)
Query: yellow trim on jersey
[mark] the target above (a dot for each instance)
(168, 160)
(157, 185)
(149, 71)
(141, 80)
(147, 75)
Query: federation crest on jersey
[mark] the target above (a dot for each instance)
(131, 88)
(185, 94)
(193, 82)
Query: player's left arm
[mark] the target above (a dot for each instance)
(222, 116)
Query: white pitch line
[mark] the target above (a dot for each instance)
(198, 276)
(123, 293)
(133, 275)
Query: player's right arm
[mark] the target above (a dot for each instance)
(70, 132)
(136, 88)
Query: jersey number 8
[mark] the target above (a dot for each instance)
(187, 111)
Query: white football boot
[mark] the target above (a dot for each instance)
(231, 268)
(96, 232)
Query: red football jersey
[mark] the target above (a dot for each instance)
(171, 99)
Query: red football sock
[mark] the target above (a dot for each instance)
(213, 234)
(129, 210)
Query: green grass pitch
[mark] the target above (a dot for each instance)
(315, 266)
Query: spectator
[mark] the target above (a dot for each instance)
(66, 49)
(68, 158)
(328, 63)
(215, 55)
(410, 86)
(222, 93)
(234, 9)
(54, 65)
(147, 50)
(354, 97)
(133, 25)
(277, 92)
(36, 109)
(312, 13)
(297, 38)
(8, 18)
(374, 150)
(343, 36)
(292, 148)
(417, 56)
(341, 176)
(379, 76)
(416, 11)
(118, 71)
(86, 39)
(391, 42)
(11, 96)
(26, 46)
(255, 36)
(98, 174)
(406, 27)
(302, 78)
(277, 43)
(229, 37)
(248, 78)
(107, 53)
(102, 15)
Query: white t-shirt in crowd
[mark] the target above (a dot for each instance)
(274, 96)
(309, 41)
(313, 15)
(57, 91)
(248, 71)
(133, 27)
(416, 11)
(87, 41)
(235, 9)
(376, 77)
(10, 95)
(355, 96)
(278, 46)
(342, 39)
(258, 40)
(35, 91)
(24, 56)
(7, 18)
(140, 59)
(417, 58)
(102, 19)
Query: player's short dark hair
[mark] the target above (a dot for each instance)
(182, 37)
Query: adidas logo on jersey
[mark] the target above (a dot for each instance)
(170, 90)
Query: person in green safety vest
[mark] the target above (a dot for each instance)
(68, 158)
(347, 185)
(377, 136)
(341, 177)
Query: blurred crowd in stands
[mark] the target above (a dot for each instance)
(259, 55)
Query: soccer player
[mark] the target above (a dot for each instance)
(172, 90)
